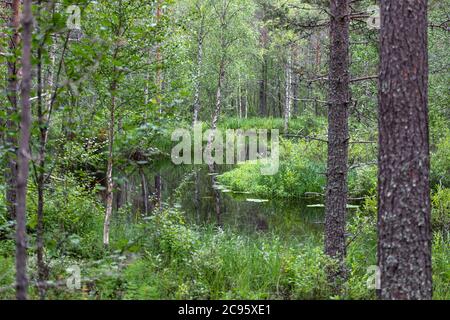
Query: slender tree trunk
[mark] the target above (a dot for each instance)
(215, 120)
(263, 89)
(246, 104)
(40, 178)
(109, 170)
(217, 110)
(197, 202)
(12, 109)
(295, 81)
(158, 60)
(217, 201)
(264, 41)
(218, 104)
(295, 96)
(338, 138)
(239, 98)
(280, 98)
(158, 190)
(43, 122)
(200, 38)
(309, 98)
(288, 92)
(159, 86)
(404, 232)
(23, 155)
(144, 191)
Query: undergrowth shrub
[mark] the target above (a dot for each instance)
(73, 218)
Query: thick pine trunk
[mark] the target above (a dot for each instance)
(338, 137)
(23, 155)
(404, 232)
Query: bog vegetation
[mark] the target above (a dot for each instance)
(108, 215)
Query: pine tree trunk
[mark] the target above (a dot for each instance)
(404, 232)
(23, 155)
(338, 138)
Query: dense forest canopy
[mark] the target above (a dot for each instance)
(94, 206)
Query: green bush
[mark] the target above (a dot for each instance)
(73, 218)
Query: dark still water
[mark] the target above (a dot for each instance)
(191, 190)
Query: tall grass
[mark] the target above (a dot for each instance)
(302, 125)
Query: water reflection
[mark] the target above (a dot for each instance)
(195, 191)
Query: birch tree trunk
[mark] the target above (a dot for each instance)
(200, 39)
(217, 109)
(288, 92)
(44, 111)
(109, 169)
